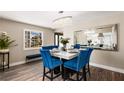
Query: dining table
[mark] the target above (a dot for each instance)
(65, 55)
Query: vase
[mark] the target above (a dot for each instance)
(4, 50)
(64, 47)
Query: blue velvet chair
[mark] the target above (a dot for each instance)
(49, 47)
(77, 64)
(77, 46)
(88, 59)
(50, 63)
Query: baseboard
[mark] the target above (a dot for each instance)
(23, 62)
(17, 63)
(108, 67)
(36, 59)
(92, 64)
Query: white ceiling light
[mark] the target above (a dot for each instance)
(100, 35)
(62, 21)
(90, 31)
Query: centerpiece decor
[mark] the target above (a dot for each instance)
(64, 41)
(89, 42)
(5, 42)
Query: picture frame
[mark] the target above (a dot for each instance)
(33, 39)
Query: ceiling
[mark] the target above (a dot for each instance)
(46, 18)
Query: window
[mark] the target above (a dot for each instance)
(32, 39)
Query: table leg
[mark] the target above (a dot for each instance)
(84, 73)
(62, 71)
(3, 62)
(8, 60)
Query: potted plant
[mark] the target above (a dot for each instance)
(89, 42)
(5, 42)
(64, 41)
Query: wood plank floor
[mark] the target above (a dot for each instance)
(33, 72)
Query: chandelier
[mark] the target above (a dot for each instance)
(62, 21)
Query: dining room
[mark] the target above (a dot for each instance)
(63, 48)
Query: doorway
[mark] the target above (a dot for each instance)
(57, 37)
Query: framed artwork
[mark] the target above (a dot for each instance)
(32, 39)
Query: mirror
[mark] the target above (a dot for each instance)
(102, 37)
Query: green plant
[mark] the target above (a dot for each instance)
(5, 41)
(89, 42)
(64, 41)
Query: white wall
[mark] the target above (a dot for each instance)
(109, 58)
(15, 30)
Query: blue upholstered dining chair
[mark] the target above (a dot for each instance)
(77, 64)
(77, 46)
(50, 63)
(88, 60)
(49, 47)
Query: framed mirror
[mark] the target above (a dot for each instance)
(102, 37)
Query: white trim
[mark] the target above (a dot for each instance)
(92, 64)
(36, 59)
(17, 63)
(108, 67)
(32, 30)
(23, 62)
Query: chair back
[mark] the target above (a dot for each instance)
(82, 58)
(49, 47)
(77, 46)
(89, 53)
(47, 59)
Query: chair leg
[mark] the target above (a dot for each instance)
(89, 69)
(62, 69)
(77, 76)
(43, 73)
(51, 75)
(84, 73)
